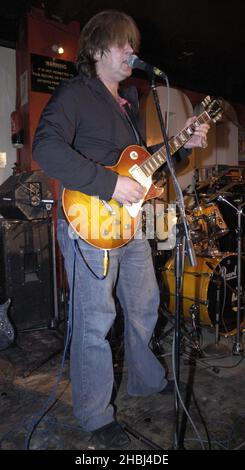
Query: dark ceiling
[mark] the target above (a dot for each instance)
(199, 45)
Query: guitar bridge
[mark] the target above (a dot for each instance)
(108, 207)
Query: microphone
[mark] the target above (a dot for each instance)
(135, 63)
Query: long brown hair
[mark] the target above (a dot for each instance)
(107, 28)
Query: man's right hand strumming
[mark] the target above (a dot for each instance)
(128, 191)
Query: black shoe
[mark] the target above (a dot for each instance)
(170, 388)
(111, 435)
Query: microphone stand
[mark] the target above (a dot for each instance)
(237, 347)
(182, 239)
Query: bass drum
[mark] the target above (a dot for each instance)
(199, 289)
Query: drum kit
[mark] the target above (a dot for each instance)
(213, 291)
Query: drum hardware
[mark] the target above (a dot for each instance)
(195, 315)
(211, 220)
(222, 176)
(237, 348)
(196, 327)
(225, 190)
(217, 347)
(206, 227)
(204, 174)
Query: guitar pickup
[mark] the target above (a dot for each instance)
(137, 173)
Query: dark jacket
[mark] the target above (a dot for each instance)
(81, 130)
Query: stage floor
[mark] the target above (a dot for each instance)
(214, 398)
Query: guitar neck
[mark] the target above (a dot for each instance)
(151, 164)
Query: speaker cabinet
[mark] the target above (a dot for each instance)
(26, 272)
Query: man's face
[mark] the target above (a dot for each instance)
(112, 64)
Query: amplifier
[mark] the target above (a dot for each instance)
(26, 272)
(26, 196)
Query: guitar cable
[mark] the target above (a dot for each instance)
(77, 248)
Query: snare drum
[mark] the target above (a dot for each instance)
(199, 288)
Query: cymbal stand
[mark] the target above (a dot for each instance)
(237, 348)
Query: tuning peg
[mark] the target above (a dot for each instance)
(217, 117)
(206, 101)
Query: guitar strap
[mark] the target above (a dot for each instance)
(132, 121)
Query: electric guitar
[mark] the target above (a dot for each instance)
(109, 224)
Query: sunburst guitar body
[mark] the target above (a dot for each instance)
(109, 224)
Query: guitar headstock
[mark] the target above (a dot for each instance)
(213, 108)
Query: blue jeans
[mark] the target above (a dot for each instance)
(131, 274)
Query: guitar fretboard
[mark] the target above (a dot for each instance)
(158, 158)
